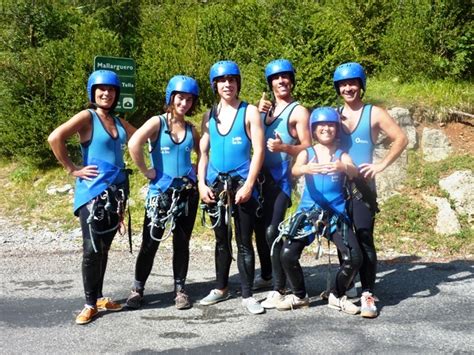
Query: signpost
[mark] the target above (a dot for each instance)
(125, 69)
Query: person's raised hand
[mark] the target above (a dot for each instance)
(264, 104)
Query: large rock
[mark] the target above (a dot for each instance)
(392, 178)
(410, 132)
(460, 187)
(446, 220)
(404, 120)
(435, 145)
(401, 116)
(61, 190)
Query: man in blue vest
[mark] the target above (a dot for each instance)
(361, 125)
(286, 124)
(232, 150)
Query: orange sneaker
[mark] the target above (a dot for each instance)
(86, 315)
(106, 304)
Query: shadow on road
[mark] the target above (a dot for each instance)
(400, 278)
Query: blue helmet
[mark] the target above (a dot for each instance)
(349, 71)
(181, 83)
(103, 77)
(223, 68)
(279, 66)
(324, 115)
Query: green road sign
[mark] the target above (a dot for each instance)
(125, 69)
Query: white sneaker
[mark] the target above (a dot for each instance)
(292, 302)
(342, 304)
(252, 305)
(214, 297)
(260, 283)
(272, 299)
(368, 308)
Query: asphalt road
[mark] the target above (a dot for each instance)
(425, 307)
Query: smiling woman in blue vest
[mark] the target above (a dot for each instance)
(322, 212)
(101, 182)
(172, 200)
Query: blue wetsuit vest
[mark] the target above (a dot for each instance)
(324, 191)
(278, 163)
(359, 143)
(229, 153)
(170, 159)
(107, 153)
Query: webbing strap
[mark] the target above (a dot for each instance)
(119, 195)
(166, 219)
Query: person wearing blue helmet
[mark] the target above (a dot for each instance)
(361, 126)
(101, 182)
(285, 122)
(232, 148)
(172, 199)
(321, 211)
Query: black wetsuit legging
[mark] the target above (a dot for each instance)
(266, 231)
(362, 212)
(181, 236)
(351, 256)
(94, 263)
(244, 222)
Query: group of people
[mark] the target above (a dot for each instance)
(248, 157)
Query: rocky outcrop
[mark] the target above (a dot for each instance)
(460, 187)
(446, 220)
(392, 178)
(61, 190)
(435, 145)
(403, 118)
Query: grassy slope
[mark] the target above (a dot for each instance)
(405, 224)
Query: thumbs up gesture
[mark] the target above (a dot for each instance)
(275, 144)
(264, 104)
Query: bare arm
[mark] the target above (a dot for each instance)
(299, 167)
(302, 166)
(196, 140)
(139, 138)
(80, 124)
(348, 166)
(204, 191)
(254, 124)
(385, 123)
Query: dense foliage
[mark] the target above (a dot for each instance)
(47, 50)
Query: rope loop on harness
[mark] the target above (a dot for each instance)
(111, 201)
(164, 208)
(224, 188)
(223, 205)
(302, 224)
(260, 181)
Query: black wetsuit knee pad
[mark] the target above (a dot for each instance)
(271, 233)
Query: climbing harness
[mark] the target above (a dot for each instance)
(110, 202)
(164, 208)
(358, 189)
(222, 210)
(303, 224)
